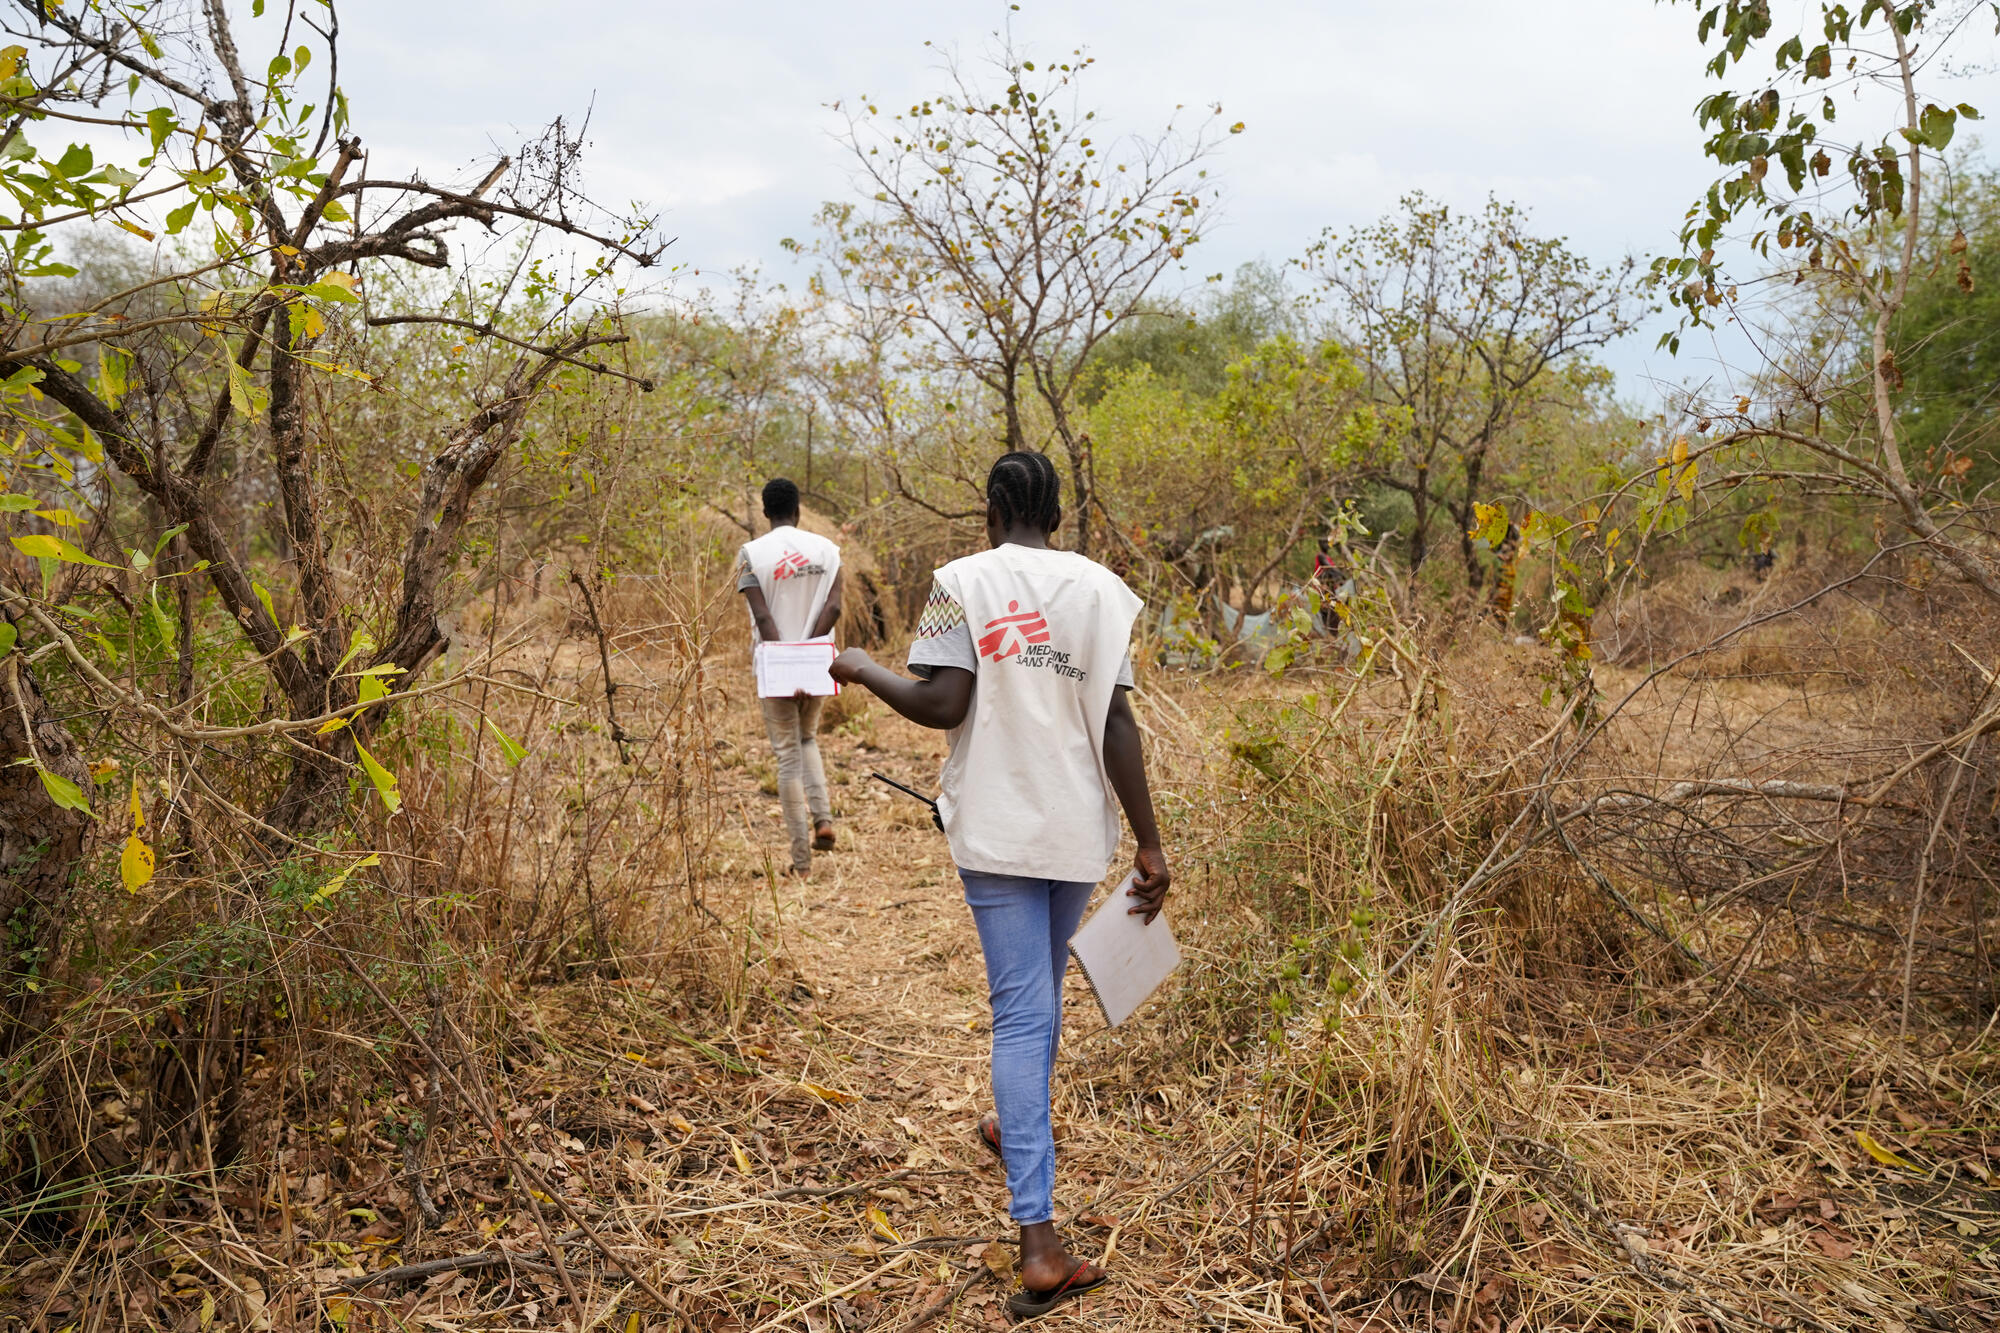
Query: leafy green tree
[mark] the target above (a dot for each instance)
(1463, 323)
(1946, 341)
(1193, 344)
(1220, 489)
(133, 415)
(1841, 215)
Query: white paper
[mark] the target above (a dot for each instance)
(1124, 958)
(787, 669)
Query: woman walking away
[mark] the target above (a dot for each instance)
(1022, 656)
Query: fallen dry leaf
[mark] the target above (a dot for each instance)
(879, 1222)
(999, 1260)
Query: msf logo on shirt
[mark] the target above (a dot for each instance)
(792, 565)
(1023, 638)
(1013, 633)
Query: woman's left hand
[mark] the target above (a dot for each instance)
(1150, 881)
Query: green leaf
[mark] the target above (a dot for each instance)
(76, 161)
(45, 547)
(177, 219)
(167, 536)
(510, 749)
(8, 636)
(14, 502)
(159, 124)
(156, 616)
(264, 600)
(361, 643)
(244, 394)
(384, 780)
(62, 791)
(1938, 126)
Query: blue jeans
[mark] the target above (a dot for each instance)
(1024, 929)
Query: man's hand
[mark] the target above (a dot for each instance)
(847, 667)
(1151, 883)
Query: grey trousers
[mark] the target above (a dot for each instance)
(793, 726)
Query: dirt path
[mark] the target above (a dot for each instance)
(892, 1012)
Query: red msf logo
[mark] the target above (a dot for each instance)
(1012, 632)
(790, 566)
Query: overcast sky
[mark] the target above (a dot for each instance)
(717, 115)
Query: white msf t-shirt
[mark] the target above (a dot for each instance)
(1045, 633)
(795, 568)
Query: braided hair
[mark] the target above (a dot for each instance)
(781, 499)
(1025, 488)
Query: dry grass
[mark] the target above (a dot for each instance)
(1547, 1117)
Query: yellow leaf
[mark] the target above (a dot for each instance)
(338, 1309)
(334, 725)
(632, 1322)
(44, 547)
(339, 279)
(742, 1158)
(834, 1095)
(878, 1222)
(1873, 1147)
(143, 235)
(138, 808)
(680, 1125)
(104, 770)
(1680, 453)
(135, 864)
(384, 780)
(1687, 482)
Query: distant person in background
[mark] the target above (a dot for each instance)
(790, 579)
(1331, 580)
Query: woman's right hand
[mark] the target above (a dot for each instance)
(847, 667)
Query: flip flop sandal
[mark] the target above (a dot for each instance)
(989, 1137)
(823, 838)
(1032, 1304)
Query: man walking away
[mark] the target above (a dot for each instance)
(791, 580)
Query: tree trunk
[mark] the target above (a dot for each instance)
(1420, 531)
(1475, 574)
(41, 844)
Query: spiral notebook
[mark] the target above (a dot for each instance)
(1123, 958)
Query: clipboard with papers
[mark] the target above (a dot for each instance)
(788, 669)
(1122, 956)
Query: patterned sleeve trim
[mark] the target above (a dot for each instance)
(942, 614)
